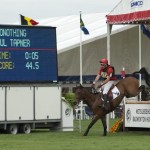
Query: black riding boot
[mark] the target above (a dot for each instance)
(105, 96)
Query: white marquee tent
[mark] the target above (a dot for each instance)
(129, 12)
(124, 43)
(68, 29)
(68, 42)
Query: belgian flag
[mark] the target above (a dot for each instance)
(27, 21)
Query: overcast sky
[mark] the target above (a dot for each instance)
(38, 9)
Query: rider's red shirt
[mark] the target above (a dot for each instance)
(108, 71)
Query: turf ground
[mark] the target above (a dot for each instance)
(50, 140)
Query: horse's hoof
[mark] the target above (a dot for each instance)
(84, 134)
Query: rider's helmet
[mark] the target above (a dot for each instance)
(104, 61)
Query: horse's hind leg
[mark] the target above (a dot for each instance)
(142, 88)
(103, 119)
(94, 120)
(143, 92)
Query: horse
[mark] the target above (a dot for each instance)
(128, 87)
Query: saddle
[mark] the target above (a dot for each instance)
(112, 94)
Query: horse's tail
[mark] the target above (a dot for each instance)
(145, 73)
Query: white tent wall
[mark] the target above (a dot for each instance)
(124, 52)
(92, 53)
(69, 61)
(145, 52)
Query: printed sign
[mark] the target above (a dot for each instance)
(137, 115)
(28, 54)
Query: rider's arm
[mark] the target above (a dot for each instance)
(96, 79)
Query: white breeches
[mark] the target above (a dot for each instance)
(106, 87)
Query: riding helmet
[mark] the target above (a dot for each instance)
(104, 61)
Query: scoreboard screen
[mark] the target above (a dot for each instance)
(28, 54)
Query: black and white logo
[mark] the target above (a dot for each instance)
(128, 115)
(137, 3)
(67, 112)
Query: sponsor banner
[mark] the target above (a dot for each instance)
(137, 115)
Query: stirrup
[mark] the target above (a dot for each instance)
(106, 106)
(100, 106)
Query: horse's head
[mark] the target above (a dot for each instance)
(78, 94)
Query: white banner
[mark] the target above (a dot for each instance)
(137, 115)
(129, 6)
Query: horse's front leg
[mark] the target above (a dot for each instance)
(94, 120)
(103, 119)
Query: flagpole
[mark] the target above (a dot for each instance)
(81, 81)
(108, 57)
(83, 28)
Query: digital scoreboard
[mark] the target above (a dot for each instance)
(28, 54)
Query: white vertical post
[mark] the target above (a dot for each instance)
(108, 42)
(123, 76)
(81, 55)
(81, 81)
(140, 47)
(108, 57)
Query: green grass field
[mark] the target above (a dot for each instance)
(50, 140)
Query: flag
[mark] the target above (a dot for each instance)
(145, 30)
(27, 21)
(82, 26)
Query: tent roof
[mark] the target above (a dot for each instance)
(130, 11)
(68, 29)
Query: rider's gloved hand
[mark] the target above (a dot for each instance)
(93, 85)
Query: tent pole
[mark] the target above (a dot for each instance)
(108, 42)
(108, 57)
(140, 47)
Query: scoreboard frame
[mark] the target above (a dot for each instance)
(28, 54)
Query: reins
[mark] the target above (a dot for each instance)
(94, 91)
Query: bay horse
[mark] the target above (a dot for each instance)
(128, 87)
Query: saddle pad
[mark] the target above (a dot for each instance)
(115, 92)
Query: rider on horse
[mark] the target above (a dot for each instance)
(107, 73)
